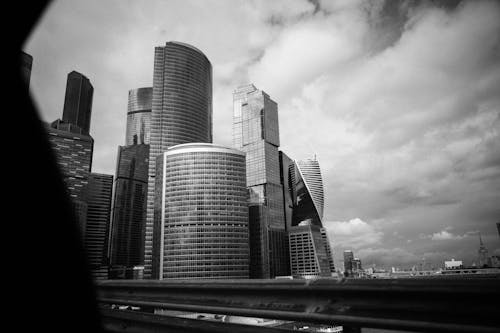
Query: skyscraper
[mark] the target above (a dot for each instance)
(482, 253)
(256, 132)
(78, 101)
(308, 202)
(308, 257)
(181, 113)
(74, 156)
(201, 213)
(139, 116)
(129, 210)
(26, 64)
(97, 227)
(131, 184)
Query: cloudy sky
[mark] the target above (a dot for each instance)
(400, 102)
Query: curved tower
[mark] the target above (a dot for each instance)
(309, 192)
(201, 213)
(181, 113)
(139, 116)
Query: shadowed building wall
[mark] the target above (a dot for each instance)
(78, 101)
(181, 113)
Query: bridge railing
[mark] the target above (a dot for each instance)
(421, 305)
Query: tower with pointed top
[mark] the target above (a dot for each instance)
(482, 253)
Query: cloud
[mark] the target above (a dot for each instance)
(399, 100)
(352, 234)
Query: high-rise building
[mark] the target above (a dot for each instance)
(348, 258)
(131, 185)
(482, 253)
(307, 195)
(308, 256)
(129, 210)
(286, 165)
(26, 64)
(201, 213)
(498, 228)
(139, 116)
(74, 156)
(181, 113)
(256, 132)
(99, 188)
(78, 101)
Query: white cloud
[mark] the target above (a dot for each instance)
(354, 234)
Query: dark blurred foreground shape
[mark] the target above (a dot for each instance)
(45, 258)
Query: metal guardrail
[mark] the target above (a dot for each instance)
(423, 304)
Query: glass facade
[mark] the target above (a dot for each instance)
(256, 132)
(78, 101)
(201, 213)
(129, 208)
(98, 222)
(308, 257)
(181, 113)
(139, 116)
(309, 196)
(74, 157)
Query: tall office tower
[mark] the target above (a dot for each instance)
(498, 228)
(26, 63)
(287, 164)
(256, 132)
(131, 185)
(348, 258)
(308, 257)
(129, 210)
(139, 116)
(181, 113)
(356, 267)
(99, 188)
(308, 201)
(78, 101)
(201, 213)
(74, 156)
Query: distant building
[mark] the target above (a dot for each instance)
(482, 254)
(453, 264)
(498, 228)
(256, 132)
(201, 213)
(348, 257)
(181, 112)
(78, 101)
(26, 64)
(98, 222)
(356, 267)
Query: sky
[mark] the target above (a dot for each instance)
(398, 100)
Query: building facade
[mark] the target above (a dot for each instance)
(348, 258)
(73, 152)
(308, 256)
(256, 132)
(100, 187)
(201, 213)
(139, 116)
(129, 210)
(78, 101)
(181, 113)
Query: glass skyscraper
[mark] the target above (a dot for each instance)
(256, 132)
(201, 213)
(181, 113)
(78, 101)
(307, 195)
(98, 222)
(139, 116)
(131, 185)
